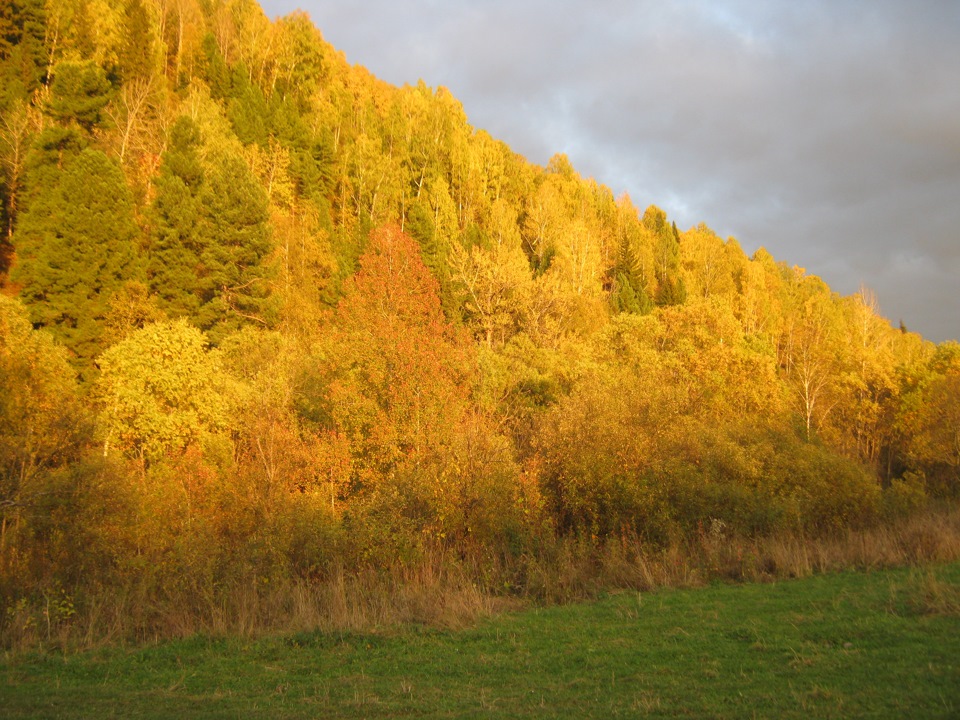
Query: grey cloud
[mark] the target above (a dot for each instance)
(826, 130)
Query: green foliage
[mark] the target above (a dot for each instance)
(79, 93)
(214, 70)
(22, 49)
(52, 151)
(174, 253)
(629, 296)
(903, 498)
(76, 244)
(234, 238)
(207, 259)
(247, 109)
(136, 53)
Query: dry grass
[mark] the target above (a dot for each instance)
(579, 570)
(453, 591)
(927, 594)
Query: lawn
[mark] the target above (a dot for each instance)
(855, 644)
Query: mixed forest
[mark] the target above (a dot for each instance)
(265, 318)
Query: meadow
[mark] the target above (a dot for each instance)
(882, 643)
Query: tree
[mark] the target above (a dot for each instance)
(159, 391)
(306, 268)
(76, 245)
(495, 282)
(869, 384)
(130, 111)
(23, 56)
(707, 263)
(80, 92)
(234, 237)
(399, 386)
(17, 125)
(929, 421)
(137, 54)
(810, 352)
(174, 251)
(665, 241)
(210, 237)
(42, 425)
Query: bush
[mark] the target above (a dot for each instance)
(904, 497)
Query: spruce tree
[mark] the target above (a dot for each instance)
(76, 246)
(81, 91)
(23, 57)
(210, 238)
(174, 259)
(629, 292)
(235, 240)
(136, 52)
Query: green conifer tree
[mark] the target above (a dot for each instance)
(80, 93)
(628, 292)
(214, 69)
(235, 239)
(22, 50)
(210, 238)
(136, 52)
(76, 245)
(173, 264)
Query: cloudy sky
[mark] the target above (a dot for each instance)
(827, 131)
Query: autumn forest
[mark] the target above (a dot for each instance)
(266, 320)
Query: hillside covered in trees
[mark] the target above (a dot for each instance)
(264, 316)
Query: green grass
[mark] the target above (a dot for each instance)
(878, 644)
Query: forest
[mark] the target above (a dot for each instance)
(267, 320)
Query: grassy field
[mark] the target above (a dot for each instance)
(874, 644)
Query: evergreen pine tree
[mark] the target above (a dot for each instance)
(629, 292)
(248, 109)
(174, 258)
(666, 247)
(214, 69)
(136, 52)
(76, 245)
(235, 240)
(210, 238)
(80, 93)
(22, 50)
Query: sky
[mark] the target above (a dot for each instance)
(826, 131)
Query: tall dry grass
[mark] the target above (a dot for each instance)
(454, 589)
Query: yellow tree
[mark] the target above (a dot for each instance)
(759, 305)
(41, 420)
(542, 227)
(306, 268)
(929, 420)
(869, 385)
(159, 391)
(496, 283)
(810, 350)
(710, 266)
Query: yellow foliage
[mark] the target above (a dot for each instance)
(159, 391)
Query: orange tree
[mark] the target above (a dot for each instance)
(397, 385)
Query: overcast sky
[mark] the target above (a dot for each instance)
(827, 131)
